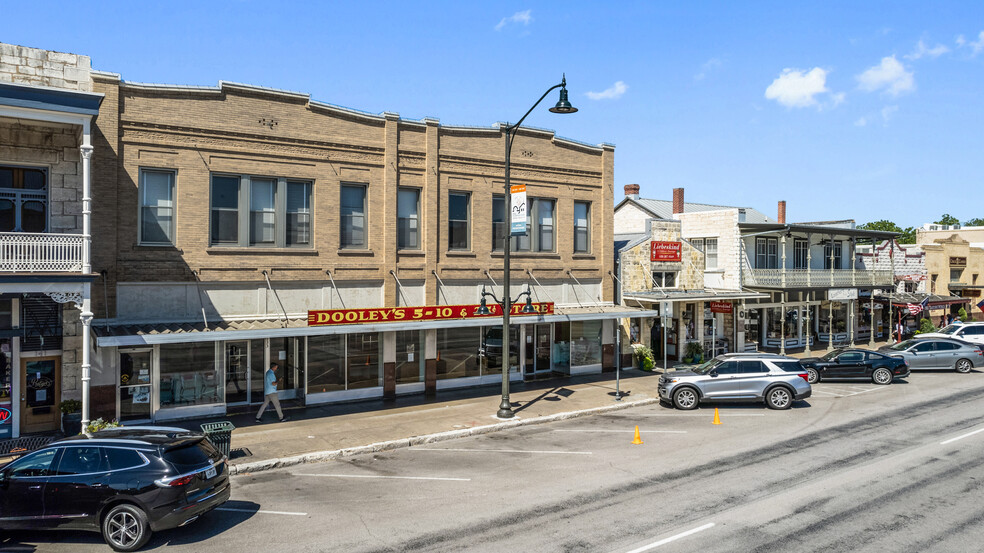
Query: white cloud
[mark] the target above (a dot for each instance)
(923, 51)
(861, 122)
(612, 93)
(889, 75)
(796, 89)
(522, 17)
(710, 64)
(887, 112)
(977, 47)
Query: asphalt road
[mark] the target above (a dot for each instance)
(857, 467)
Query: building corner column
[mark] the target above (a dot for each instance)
(86, 317)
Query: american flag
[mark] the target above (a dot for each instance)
(915, 309)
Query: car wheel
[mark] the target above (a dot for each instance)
(964, 366)
(779, 398)
(812, 376)
(685, 399)
(881, 376)
(125, 528)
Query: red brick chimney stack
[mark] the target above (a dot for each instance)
(677, 200)
(632, 191)
(782, 212)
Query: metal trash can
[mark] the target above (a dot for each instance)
(220, 434)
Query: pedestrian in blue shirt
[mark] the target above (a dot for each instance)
(270, 393)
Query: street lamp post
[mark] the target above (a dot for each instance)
(563, 106)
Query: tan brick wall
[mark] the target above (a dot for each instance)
(197, 133)
(20, 64)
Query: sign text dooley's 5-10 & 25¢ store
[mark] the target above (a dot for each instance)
(426, 313)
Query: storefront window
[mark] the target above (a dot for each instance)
(753, 326)
(135, 385)
(326, 363)
(561, 353)
(457, 352)
(189, 375)
(409, 357)
(492, 346)
(585, 343)
(363, 360)
(6, 382)
(839, 318)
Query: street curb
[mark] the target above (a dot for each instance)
(321, 456)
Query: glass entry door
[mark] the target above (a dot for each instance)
(288, 353)
(135, 386)
(237, 372)
(537, 356)
(40, 378)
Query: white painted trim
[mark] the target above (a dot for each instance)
(189, 412)
(50, 116)
(343, 395)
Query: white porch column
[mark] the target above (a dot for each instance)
(809, 321)
(86, 151)
(86, 318)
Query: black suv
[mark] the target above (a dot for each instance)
(123, 482)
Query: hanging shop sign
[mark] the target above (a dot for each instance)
(427, 313)
(664, 251)
(958, 261)
(721, 307)
(4, 415)
(842, 294)
(911, 278)
(517, 194)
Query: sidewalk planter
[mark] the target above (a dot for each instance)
(220, 434)
(71, 410)
(643, 357)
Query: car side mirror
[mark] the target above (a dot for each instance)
(712, 374)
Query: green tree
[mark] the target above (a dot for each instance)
(906, 235)
(978, 222)
(962, 314)
(947, 219)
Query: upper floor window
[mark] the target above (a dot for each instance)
(353, 211)
(955, 275)
(544, 217)
(838, 255)
(582, 224)
(260, 211)
(498, 222)
(800, 249)
(711, 253)
(664, 279)
(766, 253)
(156, 206)
(23, 199)
(932, 283)
(458, 217)
(539, 226)
(408, 219)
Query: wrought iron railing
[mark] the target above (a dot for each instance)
(41, 253)
(816, 278)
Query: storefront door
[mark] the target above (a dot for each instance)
(134, 401)
(289, 354)
(537, 359)
(40, 378)
(237, 372)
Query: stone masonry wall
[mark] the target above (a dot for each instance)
(20, 64)
(722, 225)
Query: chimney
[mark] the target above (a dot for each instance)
(782, 212)
(632, 191)
(677, 200)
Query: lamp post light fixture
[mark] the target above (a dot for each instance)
(563, 105)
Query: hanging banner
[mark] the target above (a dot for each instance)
(664, 251)
(518, 217)
(427, 313)
(842, 294)
(721, 307)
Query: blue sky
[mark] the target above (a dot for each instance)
(864, 110)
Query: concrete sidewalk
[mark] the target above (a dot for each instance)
(323, 432)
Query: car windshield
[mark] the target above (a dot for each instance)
(832, 355)
(950, 329)
(902, 346)
(705, 367)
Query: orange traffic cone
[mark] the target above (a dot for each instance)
(638, 439)
(717, 417)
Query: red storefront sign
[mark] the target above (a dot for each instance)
(4, 415)
(427, 313)
(721, 307)
(664, 251)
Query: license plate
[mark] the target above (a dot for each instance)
(210, 473)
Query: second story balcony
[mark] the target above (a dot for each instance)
(816, 278)
(22, 252)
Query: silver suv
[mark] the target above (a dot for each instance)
(775, 379)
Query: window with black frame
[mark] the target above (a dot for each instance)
(459, 212)
(582, 222)
(23, 199)
(408, 219)
(265, 212)
(353, 216)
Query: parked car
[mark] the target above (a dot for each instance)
(855, 363)
(968, 332)
(774, 379)
(123, 482)
(937, 353)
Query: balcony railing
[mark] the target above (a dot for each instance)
(816, 278)
(41, 253)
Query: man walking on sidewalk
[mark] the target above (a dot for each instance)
(270, 393)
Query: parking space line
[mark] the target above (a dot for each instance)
(967, 435)
(665, 541)
(625, 431)
(541, 452)
(701, 415)
(262, 512)
(386, 477)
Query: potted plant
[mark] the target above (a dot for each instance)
(99, 424)
(71, 410)
(643, 357)
(695, 352)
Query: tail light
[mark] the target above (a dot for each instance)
(805, 377)
(175, 482)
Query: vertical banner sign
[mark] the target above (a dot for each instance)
(518, 216)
